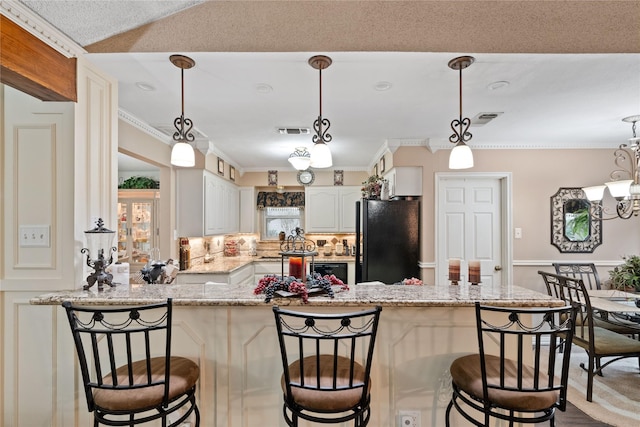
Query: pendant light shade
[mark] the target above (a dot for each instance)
(321, 156)
(320, 152)
(461, 156)
(300, 159)
(182, 153)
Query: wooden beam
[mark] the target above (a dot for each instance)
(31, 66)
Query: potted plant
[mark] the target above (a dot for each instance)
(139, 182)
(626, 276)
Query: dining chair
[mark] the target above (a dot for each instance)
(627, 328)
(595, 333)
(523, 387)
(326, 361)
(585, 271)
(129, 374)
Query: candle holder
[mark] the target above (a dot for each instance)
(296, 248)
(454, 271)
(474, 272)
(99, 241)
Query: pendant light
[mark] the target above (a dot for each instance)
(320, 152)
(300, 159)
(182, 153)
(461, 156)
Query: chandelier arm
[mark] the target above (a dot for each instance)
(598, 211)
(627, 208)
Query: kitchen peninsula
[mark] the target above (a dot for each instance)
(231, 333)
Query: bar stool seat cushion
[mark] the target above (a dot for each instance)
(184, 374)
(327, 399)
(466, 374)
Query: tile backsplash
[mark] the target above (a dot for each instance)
(215, 245)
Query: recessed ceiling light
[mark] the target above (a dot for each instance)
(498, 85)
(263, 88)
(382, 86)
(145, 86)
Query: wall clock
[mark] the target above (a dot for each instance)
(306, 177)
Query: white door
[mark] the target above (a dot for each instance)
(473, 223)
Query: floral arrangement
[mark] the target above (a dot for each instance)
(271, 283)
(372, 187)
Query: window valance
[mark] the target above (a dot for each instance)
(271, 199)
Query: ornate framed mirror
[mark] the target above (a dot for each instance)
(573, 228)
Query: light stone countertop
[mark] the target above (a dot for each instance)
(464, 295)
(225, 265)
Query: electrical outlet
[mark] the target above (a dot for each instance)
(408, 418)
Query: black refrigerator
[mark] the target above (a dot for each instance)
(390, 232)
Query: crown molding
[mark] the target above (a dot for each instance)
(435, 145)
(142, 126)
(40, 28)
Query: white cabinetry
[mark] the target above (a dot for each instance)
(405, 181)
(242, 276)
(248, 210)
(260, 268)
(206, 204)
(137, 226)
(331, 209)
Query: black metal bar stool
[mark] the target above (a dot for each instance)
(489, 384)
(129, 374)
(326, 360)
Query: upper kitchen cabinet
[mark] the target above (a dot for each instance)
(247, 210)
(206, 204)
(405, 181)
(331, 209)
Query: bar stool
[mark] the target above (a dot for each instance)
(491, 385)
(129, 374)
(326, 360)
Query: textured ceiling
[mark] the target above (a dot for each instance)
(573, 69)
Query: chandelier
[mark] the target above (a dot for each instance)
(182, 153)
(626, 192)
(461, 156)
(320, 152)
(300, 159)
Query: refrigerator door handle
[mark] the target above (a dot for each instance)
(357, 251)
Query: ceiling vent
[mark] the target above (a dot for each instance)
(170, 130)
(294, 131)
(482, 119)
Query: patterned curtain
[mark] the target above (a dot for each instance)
(271, 199)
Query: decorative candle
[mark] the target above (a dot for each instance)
(474, 272)
(296, 267)
(454, 270)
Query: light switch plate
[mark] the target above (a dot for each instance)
(34, 236)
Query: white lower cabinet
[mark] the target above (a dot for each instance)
(260, 268)
(242, 276)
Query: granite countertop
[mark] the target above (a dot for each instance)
(226, 265)
(360, 295)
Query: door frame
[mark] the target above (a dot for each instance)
(506, 211)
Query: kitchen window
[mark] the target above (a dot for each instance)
(275, 220)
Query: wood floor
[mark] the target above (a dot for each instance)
(574, 417)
